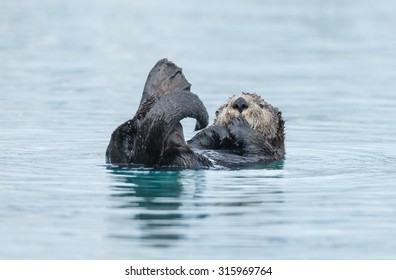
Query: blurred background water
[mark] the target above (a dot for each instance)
(72, 71)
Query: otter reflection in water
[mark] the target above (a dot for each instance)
(151, 202)
(247, 130)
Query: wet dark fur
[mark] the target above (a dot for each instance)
(154, 136)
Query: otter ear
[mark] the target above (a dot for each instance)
(221, 109)
(281, 122)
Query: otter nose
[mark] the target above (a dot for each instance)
(240, 104)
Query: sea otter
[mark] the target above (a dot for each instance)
(247, 130)
(154, 136)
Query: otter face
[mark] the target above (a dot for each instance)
(260, 115)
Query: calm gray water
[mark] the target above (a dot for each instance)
(72, 71)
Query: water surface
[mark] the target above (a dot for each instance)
(72, 71)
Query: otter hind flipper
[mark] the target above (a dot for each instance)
(154, 136)
(160, 130)
(164, 77)
(176, 106)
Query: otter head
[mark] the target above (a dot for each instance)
(165, 77)
(260, 115)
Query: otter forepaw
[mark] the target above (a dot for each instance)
(238, 123)
(239, 129)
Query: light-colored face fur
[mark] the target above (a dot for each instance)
(260, 115)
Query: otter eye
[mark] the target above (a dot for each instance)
(261, 106)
